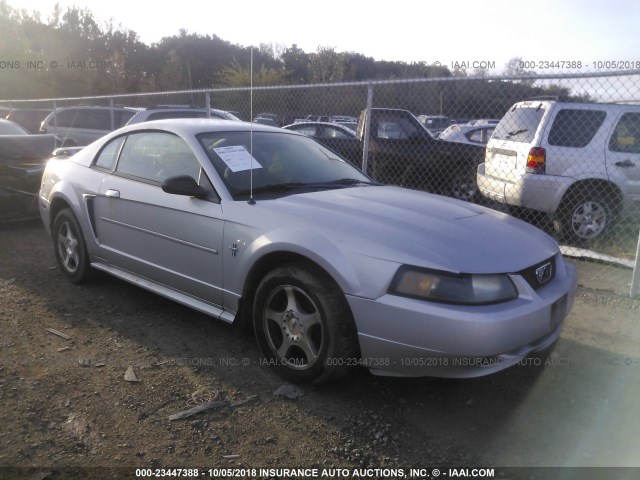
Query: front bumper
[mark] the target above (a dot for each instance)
(407, 337)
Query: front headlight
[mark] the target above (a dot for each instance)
(444, 287)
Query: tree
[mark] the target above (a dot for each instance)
(296, 63)
(515, 68)
(237, 75)
(326, 66)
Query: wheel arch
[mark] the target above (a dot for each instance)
(266, 264)
(57, 204)
(604, 187)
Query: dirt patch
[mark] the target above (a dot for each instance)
(66, 403)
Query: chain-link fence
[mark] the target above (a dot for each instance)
(561, 152)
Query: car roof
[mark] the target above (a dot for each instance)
(195, 126)
(7, 122)
(327, 124)
(534, 103)
(95, 107)
(14, 124)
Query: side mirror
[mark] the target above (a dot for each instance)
(184, 185)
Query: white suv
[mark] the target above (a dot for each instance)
(579, 162)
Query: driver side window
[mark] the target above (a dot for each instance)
(156, 156)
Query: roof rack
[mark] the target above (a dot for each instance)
(555, 98)
(153, 107)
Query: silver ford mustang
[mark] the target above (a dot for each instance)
(262, 225)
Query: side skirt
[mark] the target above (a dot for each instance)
(213, 310)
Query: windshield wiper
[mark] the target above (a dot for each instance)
(285, 187)
(274, 187)
(517, 132)
(350, 181)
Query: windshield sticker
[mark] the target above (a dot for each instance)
(237, 158)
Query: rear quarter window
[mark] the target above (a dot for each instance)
(575, 128)
(109, 154)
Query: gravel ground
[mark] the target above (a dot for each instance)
(66, 404)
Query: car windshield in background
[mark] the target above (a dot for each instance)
(279, 163)
(10, 128)
(519, 125)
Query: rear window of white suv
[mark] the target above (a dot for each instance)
(519, 124)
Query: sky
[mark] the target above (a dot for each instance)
(467, 32)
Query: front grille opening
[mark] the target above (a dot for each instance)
(539, 274)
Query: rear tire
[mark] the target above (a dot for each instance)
(303, 325)
(583, 218)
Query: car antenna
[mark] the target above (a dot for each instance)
(251, 200)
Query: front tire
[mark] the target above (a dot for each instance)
(303, 325)
(70, 248)
(464, 188)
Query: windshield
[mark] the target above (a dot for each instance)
(519, 124)
(278, 163)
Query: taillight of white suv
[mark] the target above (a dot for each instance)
(536, 161)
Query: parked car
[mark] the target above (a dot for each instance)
(22, 160)
(329, 118)
(161, 112)
(468, 133)
(337, 137)
(484, 121)
(434, 123)
(253, 223)
(82, 125)
(343, 118)
(29, 118)
(265, 121)
(578, 162)
(267, 118)
(317, 118)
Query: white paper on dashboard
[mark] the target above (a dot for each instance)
(237, 158)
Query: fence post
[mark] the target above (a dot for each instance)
(207, 103)
(55, 118)
(367, 129)
(113, 122)
(635, 279)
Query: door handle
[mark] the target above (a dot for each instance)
(625, 163)
(112, 193)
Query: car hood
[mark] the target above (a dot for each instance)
(415, 228)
